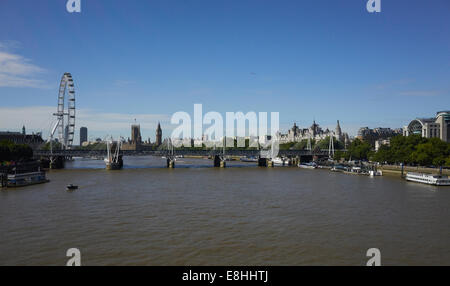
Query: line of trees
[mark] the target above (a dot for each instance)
(414, 150)
(10, 151)
(410, 150)
(315, 144)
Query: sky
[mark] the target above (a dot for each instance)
(322, 60)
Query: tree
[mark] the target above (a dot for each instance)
(21, 152)
(55, 146)
(338, 155)
(5, 154)
(359, 150)
(414, 149)
(325, 144)
(382, 155)
(447, 162)
(14, 152)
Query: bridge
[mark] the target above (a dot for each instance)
(182, 152)
(57, 157)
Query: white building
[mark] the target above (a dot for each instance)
(437, 127)
(315, 132)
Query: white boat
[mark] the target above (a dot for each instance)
(373, 173)
(277, 161)
(287, 162)
(429, 179)
(308, 165)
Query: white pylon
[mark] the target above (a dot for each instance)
(331, 147)
(308, 147)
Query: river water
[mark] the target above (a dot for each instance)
(241, 215)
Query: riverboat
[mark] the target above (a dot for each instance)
(26, 179)
(429, 179)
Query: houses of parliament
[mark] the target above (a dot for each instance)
(135, 142)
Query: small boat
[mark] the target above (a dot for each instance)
(373, 173)
(308, 165)
(429, 179)
(72, 187)
(338, 168)
(277, 161)
(249, 159)
(287, 162)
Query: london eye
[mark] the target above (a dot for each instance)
(65, 116)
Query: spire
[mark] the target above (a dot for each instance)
(338, 129)
(158, 141)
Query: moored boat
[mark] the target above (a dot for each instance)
(26, 179)
(249, 159)
(311, 165)
(277, 161)
(429, 179)
(374, 173)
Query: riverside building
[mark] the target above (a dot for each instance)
(434, 127)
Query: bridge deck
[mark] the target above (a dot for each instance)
(237, 152)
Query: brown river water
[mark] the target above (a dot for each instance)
(241, 215)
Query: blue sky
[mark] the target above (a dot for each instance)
(322, 59)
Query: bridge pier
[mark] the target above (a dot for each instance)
(170, 163)
(3, 180)
(219, 162)
(57, 162)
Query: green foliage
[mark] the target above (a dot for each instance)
(287, 146)
(95, 146)
(414, 150)
(302, 145)
(447, 162)
(56, 146)
(359, 150)
(384, 154)
(15, 152)
(338, 155)
(325, 144)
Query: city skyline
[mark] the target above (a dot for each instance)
(325, 61)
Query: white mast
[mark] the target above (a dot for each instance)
(331, 147)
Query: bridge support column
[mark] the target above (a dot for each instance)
(57, 162)
(219, 162)
(170, 163)
(262, 162)
(3, 180)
